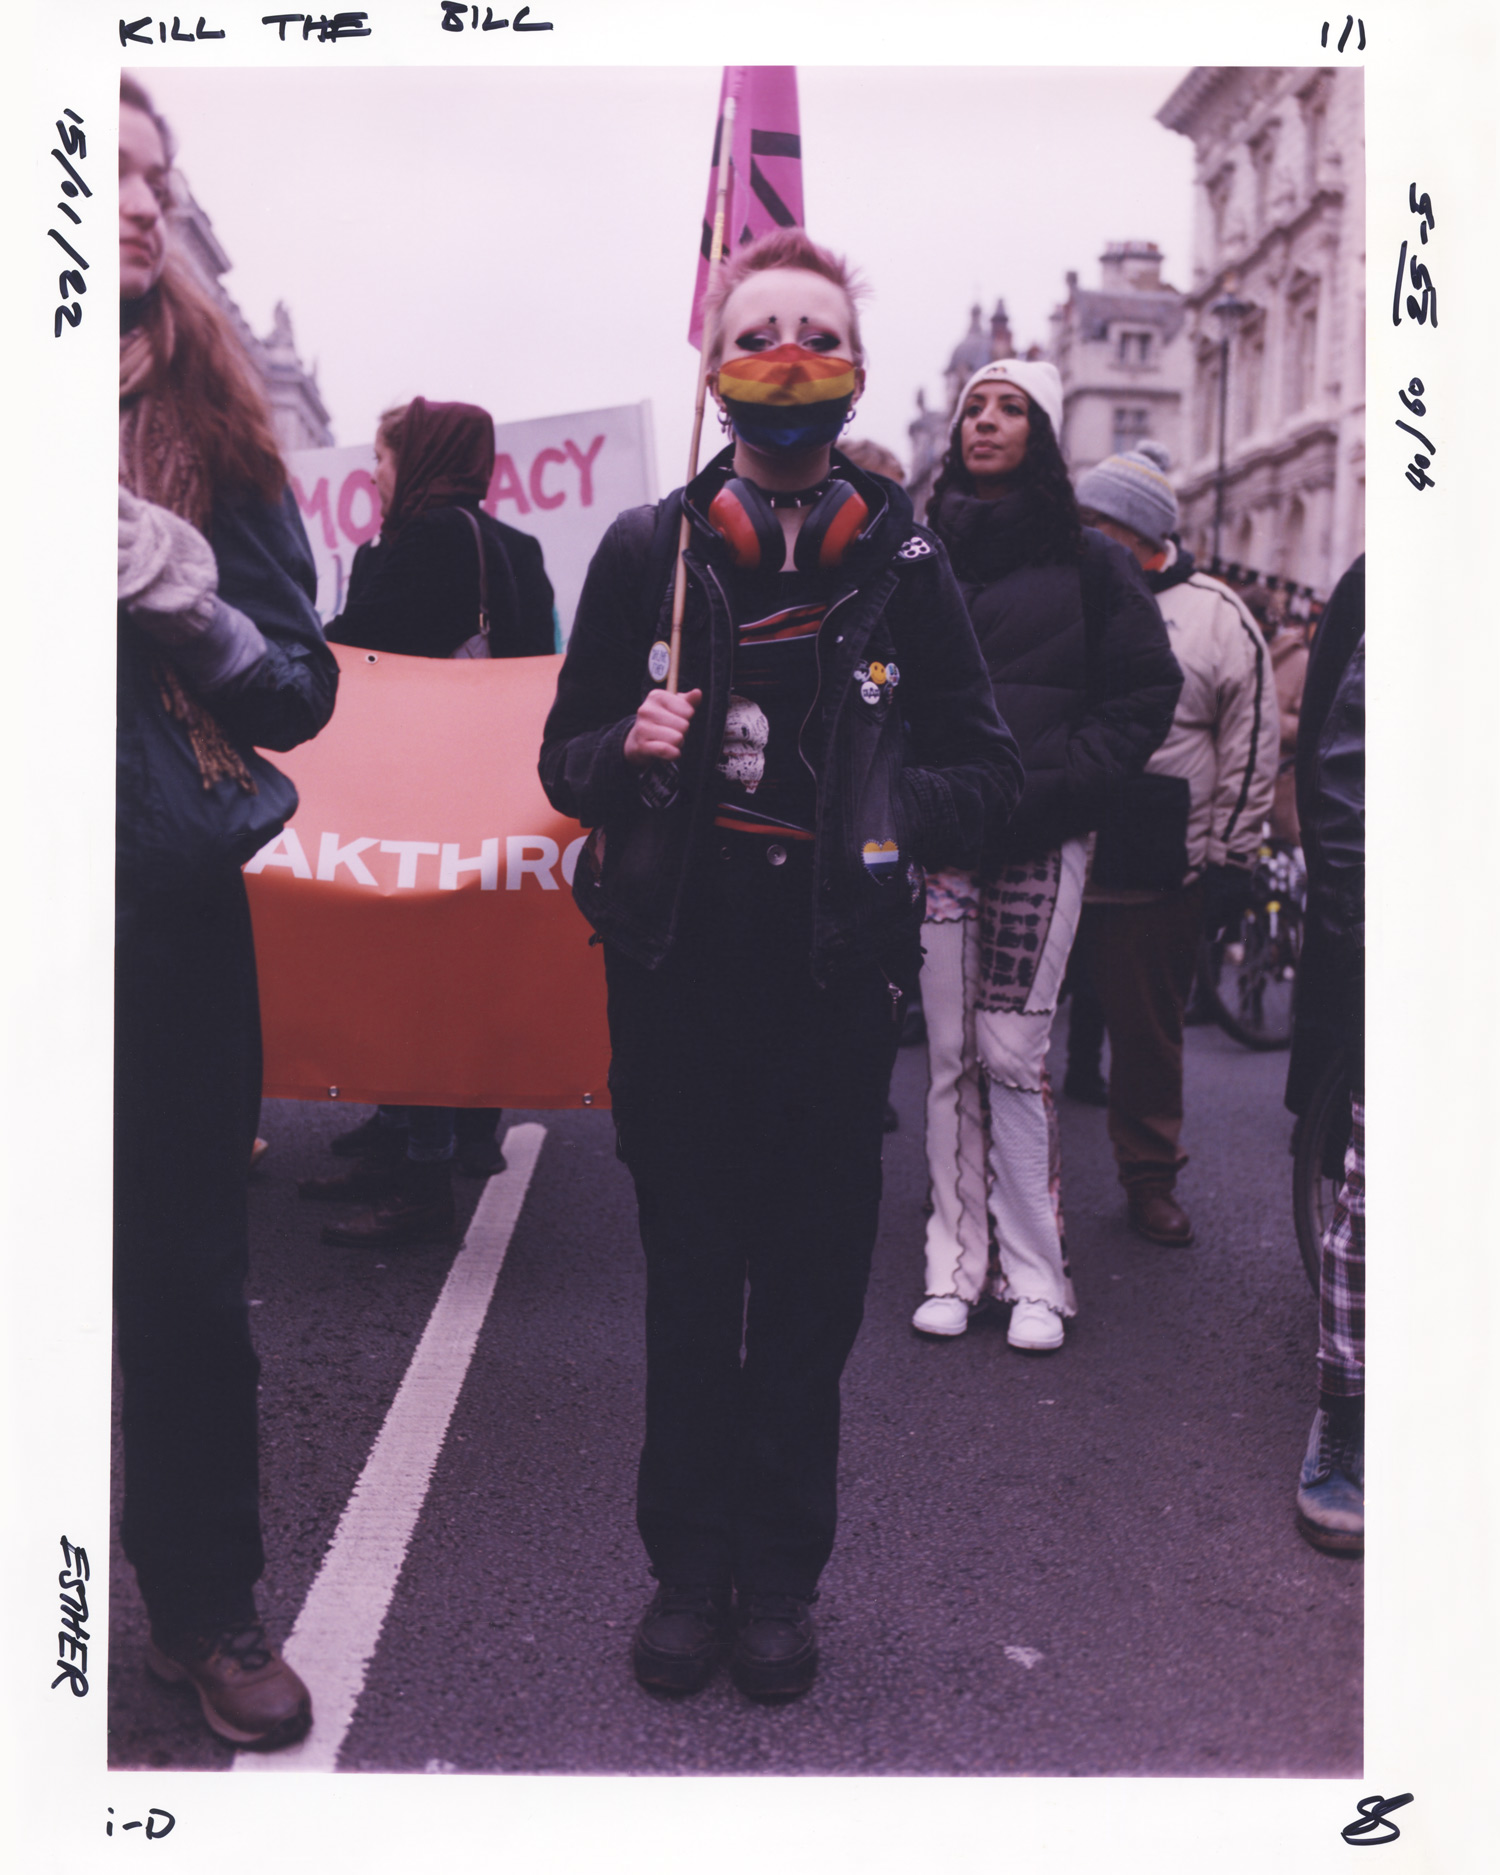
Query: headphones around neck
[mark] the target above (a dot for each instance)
(744, 516)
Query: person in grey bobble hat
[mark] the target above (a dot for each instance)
(1174, 856)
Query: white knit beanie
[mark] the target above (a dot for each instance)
(1035, 376)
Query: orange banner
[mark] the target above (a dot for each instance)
(415, 933)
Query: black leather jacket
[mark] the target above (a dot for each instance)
(930, 771)
(1330, 989)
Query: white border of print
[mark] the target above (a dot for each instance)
(1431, 1094)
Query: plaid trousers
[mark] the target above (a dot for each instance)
(1341, 1277)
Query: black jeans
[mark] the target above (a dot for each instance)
(187, 1095)
(750, 1106)
(434, 1132)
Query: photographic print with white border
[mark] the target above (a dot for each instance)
(512, 219)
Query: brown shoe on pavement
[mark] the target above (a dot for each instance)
(359, 1183)
(1155, 1214)
(248, 1693)
(419, 1210)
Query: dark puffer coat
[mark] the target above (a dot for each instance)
(418, 595)
(1082, 724)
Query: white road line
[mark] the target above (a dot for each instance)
(336, 1633)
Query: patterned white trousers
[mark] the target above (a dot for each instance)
(999, 1169)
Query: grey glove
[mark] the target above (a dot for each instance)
(167, 572)
(168, 580)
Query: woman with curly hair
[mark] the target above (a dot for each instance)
(1087, 683)
(219, 655)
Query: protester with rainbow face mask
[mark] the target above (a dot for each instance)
(755, 870)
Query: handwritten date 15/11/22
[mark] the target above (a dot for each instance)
(74, 150)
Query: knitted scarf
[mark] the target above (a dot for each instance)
(160, 463)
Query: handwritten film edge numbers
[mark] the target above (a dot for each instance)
(1421, 305)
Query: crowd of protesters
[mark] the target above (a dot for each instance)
(1016, 746)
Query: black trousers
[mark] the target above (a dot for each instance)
(750, 1105)
(187, 1096)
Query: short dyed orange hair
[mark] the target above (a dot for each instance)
(784, 249)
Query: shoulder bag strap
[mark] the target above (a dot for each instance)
(484, 580)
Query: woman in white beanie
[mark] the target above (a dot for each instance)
(1084, 676)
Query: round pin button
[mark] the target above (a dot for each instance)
(660, 660)
(776, 854)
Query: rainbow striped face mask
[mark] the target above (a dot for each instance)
(787, 398)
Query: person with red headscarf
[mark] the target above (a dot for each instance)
(445, 579)
(416, 590)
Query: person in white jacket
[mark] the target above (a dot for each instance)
(1176, 852)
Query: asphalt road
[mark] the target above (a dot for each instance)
(1081, 1564)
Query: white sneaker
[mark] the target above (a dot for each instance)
(1034, 1327)
(942, 1315)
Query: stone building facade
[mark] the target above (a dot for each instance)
(298, 414)
(1123, 372)
(1279, 219)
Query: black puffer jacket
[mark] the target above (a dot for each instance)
(418, 595)
(1080, 729)
(931, 775)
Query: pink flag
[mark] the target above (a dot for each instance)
(765, 177)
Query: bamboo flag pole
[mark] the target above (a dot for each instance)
(715, 255)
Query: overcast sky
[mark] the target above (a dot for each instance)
(527, 240)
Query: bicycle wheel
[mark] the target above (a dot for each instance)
(1319, 1142)
(1248, 977)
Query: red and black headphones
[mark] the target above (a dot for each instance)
(746, 518)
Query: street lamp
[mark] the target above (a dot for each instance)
(1228, 311)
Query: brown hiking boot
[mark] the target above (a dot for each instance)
(362, 1181)
(248, 1693)
(1155, 1214)
(419, 1209)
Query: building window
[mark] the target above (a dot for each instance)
(1207, 402)
(1135, 348)
(1301, 349)
(1218, 205)
(1250, 362)
(1262, 155)
(1131, 424)
(1314, 102)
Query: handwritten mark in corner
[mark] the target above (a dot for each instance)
(154, 1829)
(73, 1637)
(1373, 1815)
(1349, 24)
